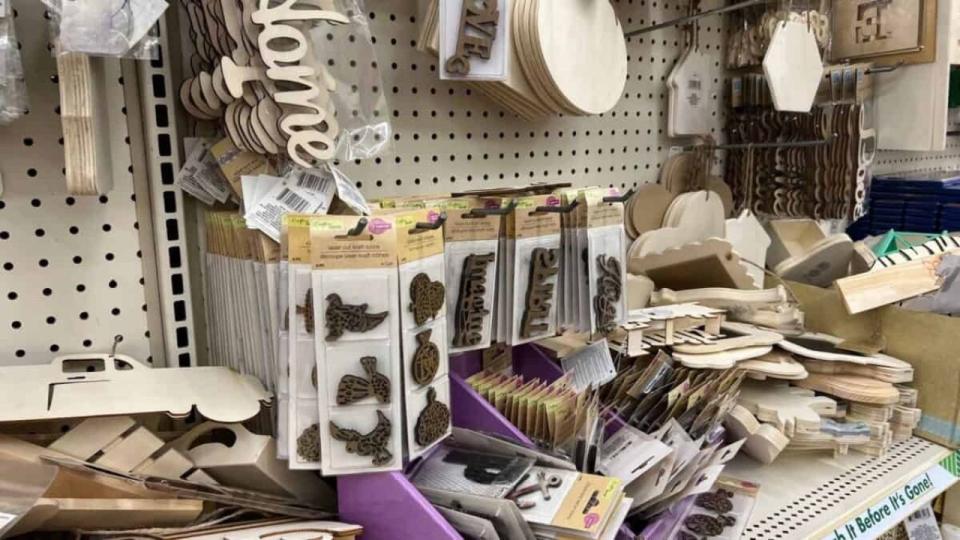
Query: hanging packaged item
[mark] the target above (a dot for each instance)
(357, 342)
(423, 328)
(605, 248)
(13, 89)
(303, 421)
(572, 309)
(471, 243)
(121, 28)
(531, 264)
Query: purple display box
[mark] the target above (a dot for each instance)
(389, 507)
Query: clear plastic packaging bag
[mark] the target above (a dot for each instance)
(13, 87)
(120, 28)
(346, 51)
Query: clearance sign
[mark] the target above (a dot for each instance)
(902, 502)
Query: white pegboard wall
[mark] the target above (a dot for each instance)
(450, 138)
(71, 276)
(891, 161)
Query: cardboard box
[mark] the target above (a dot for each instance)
(929, 342)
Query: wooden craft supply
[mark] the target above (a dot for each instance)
(609, 292)
(76, 513)
(774, 365)
(788, 408)
(639, 291)
(433, 422)
(308, 444)
(801, 251)
(852, 388)
(352, 388)
(342, 317)
(65, 389)
(539, 299)
(426, 298)
(373, 444)
(735, 336)
(711, 263)
(563, 72)
(876, 31)
(864, 292)
(249, 461)
(646, 208)
(885, 374)
(426, 359)
(478, 30)
(793, 67)
(720, 298)
(312, 131)
(721, 360)
(120, 443)
(307, 311)
(748, 238)
(470, 302)
(665, 324)
(83, 114)
(826, 348)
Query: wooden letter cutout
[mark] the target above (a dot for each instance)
(470, 304)
(539, 293)
(482, 17)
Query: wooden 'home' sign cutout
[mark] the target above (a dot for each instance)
(312, 134)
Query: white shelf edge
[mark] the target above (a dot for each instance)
(806, 496)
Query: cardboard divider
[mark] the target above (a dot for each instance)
(388, 506)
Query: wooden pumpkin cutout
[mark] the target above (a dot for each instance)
(269, 113)
(220, 86)
(209, 95)
(196, 97)
(187, 101)
(433, 422)
(263, 138)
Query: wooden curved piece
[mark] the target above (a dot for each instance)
(736, 336)
(764, 441)
(788, 408)
(775, 365)
(852, 388)
(720, 360)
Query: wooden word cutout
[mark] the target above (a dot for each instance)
(470, 305)
(539, 293)
(307, 311)
(609, 291)
(426, 359)
(308, 444)
(341, 317)
(373, 444)
(283, 66)
(480, 16)
(352, 388)
(433, 421)
(426, 298)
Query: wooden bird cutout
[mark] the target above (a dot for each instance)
(341, 317)
(373, 444)
(352, 388)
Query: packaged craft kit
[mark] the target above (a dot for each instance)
(479, 269)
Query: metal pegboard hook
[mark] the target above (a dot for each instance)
(883, 69)
(619, 199)
(359, 228)
(116, 343)
(427, 226)
(556, 209)
(484, 212)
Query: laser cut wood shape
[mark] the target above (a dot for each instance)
(249, 461)
(426, 298)
(788, 408)
(80, 386)
(775, 365)
(722, 359)
(352, 388)
(373, 444)
(793, 67)
(545, 264)
(825, 348)
(609, 293)
(119, 442)
(433, 421)
(310, 127)
(764, 441)
(852, 388)
(83, 113)
(711, 263)
(342, 317)
(478, 30)
(426, 359)
(468, 319)
(735, 336)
